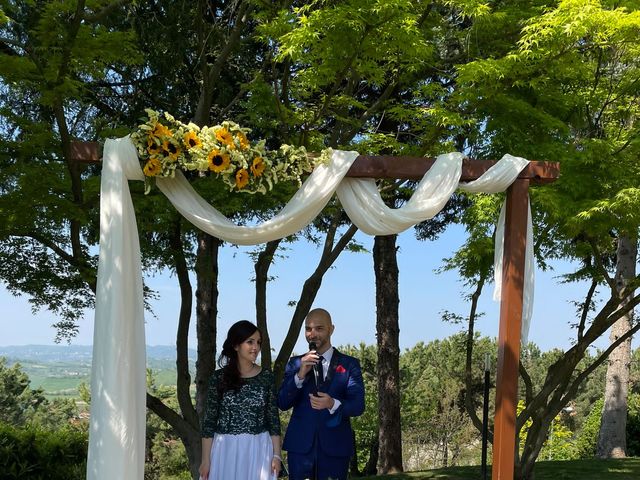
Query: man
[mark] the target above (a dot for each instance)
(319, 438)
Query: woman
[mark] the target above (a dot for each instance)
(241, 427)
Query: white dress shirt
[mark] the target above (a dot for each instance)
(326, 361)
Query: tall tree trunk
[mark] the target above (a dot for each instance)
(206, 323)
(370, 467)
(469, 403)
(445, 453)
(264, 261)
(190, 441)
(387, 330)
(187, 424)
(330, 253)
(354, 471)
(206, 314)
(612, 441)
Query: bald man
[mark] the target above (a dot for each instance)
(325, 389)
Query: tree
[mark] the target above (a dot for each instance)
(356, 74)
(47, 198)
(396, 104)
(330, 76)
(18, 402)
(20, 405)
(569, 92)
(388, 333)
(613, 427)
(437, 431)
(586, 442)
(259, 63)
(164, 452)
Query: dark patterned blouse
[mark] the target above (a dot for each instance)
(251, 409)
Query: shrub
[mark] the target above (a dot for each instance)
(587, 439)
(633, 425)
(33, 453)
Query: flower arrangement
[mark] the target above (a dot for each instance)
(165, 144)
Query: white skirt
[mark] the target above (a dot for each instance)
(241, 457)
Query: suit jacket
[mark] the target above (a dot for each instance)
(343, 382)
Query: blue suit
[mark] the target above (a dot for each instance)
(316, 440)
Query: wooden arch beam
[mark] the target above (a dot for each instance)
(380, 166)
(413, 168)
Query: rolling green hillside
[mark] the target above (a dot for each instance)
(60, 369)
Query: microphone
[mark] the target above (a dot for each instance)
(316, 372)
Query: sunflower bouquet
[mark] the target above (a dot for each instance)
(165, 144)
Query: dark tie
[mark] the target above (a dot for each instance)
(320, 370)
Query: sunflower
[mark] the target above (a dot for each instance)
(225, 137)
(153, 167)
(191, 140)
(171, 150)
(159, 130)
(242, 140)
(258, 166)
(218, 161)
(153, 148)
(242, 178)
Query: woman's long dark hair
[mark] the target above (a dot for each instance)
(228, 359)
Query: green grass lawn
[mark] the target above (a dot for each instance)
(625, 469)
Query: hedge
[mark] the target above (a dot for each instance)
(34, 453)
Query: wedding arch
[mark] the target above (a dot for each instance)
(118, 386)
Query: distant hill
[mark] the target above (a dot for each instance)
(65, 353)
(59, 369)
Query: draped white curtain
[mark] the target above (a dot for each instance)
(117, 427)
(118, 375)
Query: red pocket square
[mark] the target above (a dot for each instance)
(340, 369)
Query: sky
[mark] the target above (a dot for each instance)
(347, 291)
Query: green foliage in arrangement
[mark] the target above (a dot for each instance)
(38, 454)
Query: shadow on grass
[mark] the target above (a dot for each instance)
(592, 469)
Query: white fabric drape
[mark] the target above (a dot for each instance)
(118, 379)
(529, 271)
(116, 441)
(303, 207)
(362, 201)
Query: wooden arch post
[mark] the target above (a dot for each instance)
(515, 238)
(513, 263)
